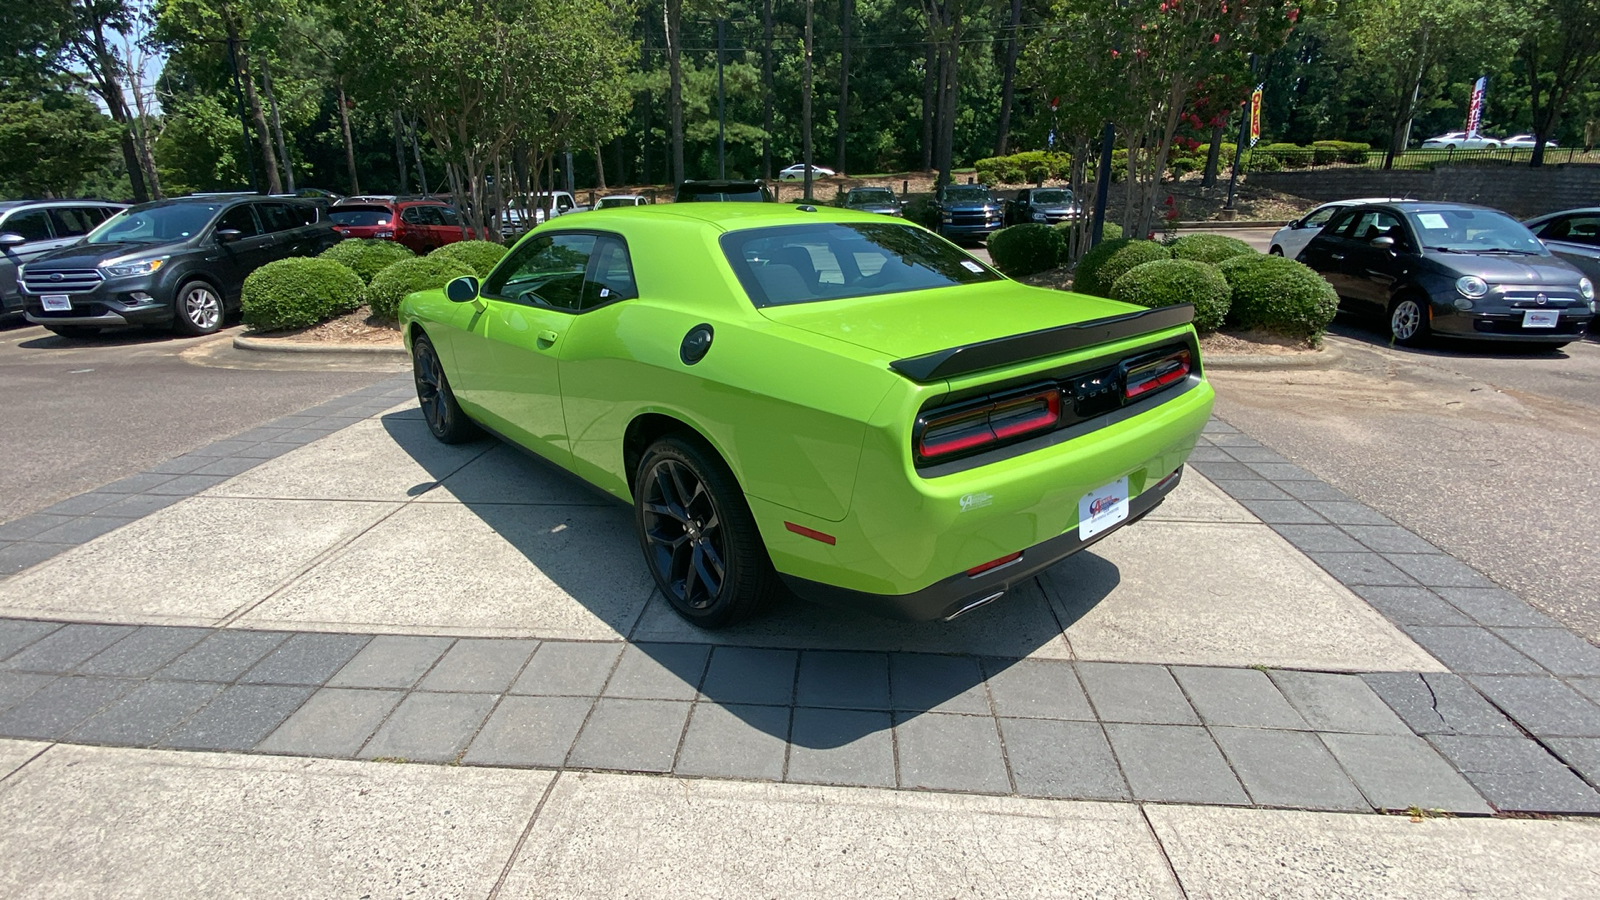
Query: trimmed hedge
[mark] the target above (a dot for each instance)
(1026, 249)
(1209, 248)
(366, 256)
(1279, 295)
(1028, 167)
(1100, 268)
(480, 255)
(1168, 282)
(1112, 231)
(298, 292)
(408, 276)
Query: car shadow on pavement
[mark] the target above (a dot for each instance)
(112, 337)
(866, 673)
(1375, 333)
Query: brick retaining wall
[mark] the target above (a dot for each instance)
(1518, 190)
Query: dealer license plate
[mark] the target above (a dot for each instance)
(57, 303)
(1540, 318)
(1103, 508)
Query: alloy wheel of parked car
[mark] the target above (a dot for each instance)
(699, 537)
(199, 309)
(439, 408)
(1408, 322)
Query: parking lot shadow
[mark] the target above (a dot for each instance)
(1375, 332)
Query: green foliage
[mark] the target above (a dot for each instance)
(298, 293)
(422, 273)
(1210, 248)
(50, 145)
(920, 209)
(1026, 249)
(1030, 167)
(1168, 282)
(1262, 162)
(1354, 152)
(367, 256)
(1112, 231)
(1279, 295)
(480, 255)
(1101, 267)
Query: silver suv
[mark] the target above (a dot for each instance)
(28, 228)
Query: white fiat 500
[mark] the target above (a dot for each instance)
(1293, 237)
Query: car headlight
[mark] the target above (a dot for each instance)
(1040, 217)
(1586, 288)
(948, 218)
(136, 267)
(1472, 286)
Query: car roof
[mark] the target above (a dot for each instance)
(8, 205)
(1428, 205)
(1579, 211)
(723, 216)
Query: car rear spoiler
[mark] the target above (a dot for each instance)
(1039, 344)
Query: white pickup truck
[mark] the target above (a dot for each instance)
(522, 213)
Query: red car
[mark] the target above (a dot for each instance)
(419, 223)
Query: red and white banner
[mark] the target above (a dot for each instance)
(1475, 109)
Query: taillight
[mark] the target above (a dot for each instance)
(1156, 374)
(972, 428)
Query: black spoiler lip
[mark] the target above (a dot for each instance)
(1032, 345)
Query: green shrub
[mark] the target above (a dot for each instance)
(408, 276)
(1101, 267)
(298, 292)
(919, 209)
(1209, 248)
(366, 256)
(1026, 249)
(1168, 282)
(1261, 162)
(1111, 230)
(1354, 152)
(1279, 295)
(1027, 167)
(480, 255)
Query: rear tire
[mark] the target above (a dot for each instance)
(439, 408)
(198, 309)
(1408, 322)
(1275, 251)
(699, 538)
(74, 332)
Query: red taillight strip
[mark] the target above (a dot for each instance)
(994, 563)
(812, 533)
(988, 423)
(1156, 375)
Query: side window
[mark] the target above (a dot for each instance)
(32, 225)
(240, 219)
(1320, 217)
(1339, 225)
(1377, 223)
(413, 215)
(610, 275)
(448, 215)
(563, 203)
(276, 217)
(1574, 230)
(73, 221)
(545, 272)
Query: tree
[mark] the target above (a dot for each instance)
(1561, 49)
(51, 144)
(1013, 41)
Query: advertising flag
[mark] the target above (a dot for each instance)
(1255, 116)
(1475, 110)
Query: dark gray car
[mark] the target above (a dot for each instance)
(1047, 206)
(1573, 235)
(1451, 269)
(875, 200)
(29, 228)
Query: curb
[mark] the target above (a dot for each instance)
(1232, 223)
(278, 345)
(1329, 356)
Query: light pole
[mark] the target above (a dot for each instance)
(722, 170)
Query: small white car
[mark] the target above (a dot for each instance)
(1293, 237)
(797, 172)
(1458, 140)
(615, 200)
(1525, 142)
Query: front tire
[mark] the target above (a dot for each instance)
(439, 408)
(198, 309)
(1275, 251)
(699, 538)
(1408, 322)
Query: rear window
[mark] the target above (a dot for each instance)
(967, 194)
(737, 193)
(863, 198)
(831, 261)
(359, 215)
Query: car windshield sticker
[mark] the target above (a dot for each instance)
(971, 266)
(1432, 221)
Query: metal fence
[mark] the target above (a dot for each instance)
(1317, 157)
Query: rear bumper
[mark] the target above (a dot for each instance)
(960, 593)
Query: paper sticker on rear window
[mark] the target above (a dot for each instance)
(971, 266)
(1432, 220)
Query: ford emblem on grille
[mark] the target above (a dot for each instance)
(56, 276)
(1540, 299)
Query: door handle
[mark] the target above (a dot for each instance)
(547, 337)
(1336, 255)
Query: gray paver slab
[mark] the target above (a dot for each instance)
(1282, 512)
(1437, 570)
(529, 731)
(1228, 471)
(66, 648)
(16, 557)
(1541, 704)
(1281, 472)
(1472, 650)
(1389, 539)
(920, 682)
(1589, 687)
(845, 680)
(181, 465)
(29, 527)
(1399, 771)
(656, 671)
(81, 505)
(483, 666)
(750, 675)
(1339, 703)
(841, 746)
(1243, 697)
(223, 656)
(1347, 512)
(430, 727)
(632, 735)
(1582, 754)
(16, 634)
(1361, 569)
(1312, 490)
(135, 484)
(1175, 764)
(1037, 688)
(1411, 605)
(1517, 774)
(146, 713)
(16, 687)
(1255, 455)
(1251, 489)
(58, 707)
(1318, 538)
(1556, 649)
(735, 741)
(391, 661)
(951, 753)
(82, 529)
(134, 506)
(1129, 692)
(568, 668)
(306, 658)
(238, 718)
(1438, 703)
(1287, 768)
(1054, 758)
(1495, 607)
(187, 485)
(230, 465)
(334, 722)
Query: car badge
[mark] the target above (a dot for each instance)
(55, 276)
(1540, 299)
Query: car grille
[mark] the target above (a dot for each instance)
(64, 281)
(1552, 299)
(79, 309)
(968, 218)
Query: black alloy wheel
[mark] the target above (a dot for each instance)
(444, 416)
(699, 538)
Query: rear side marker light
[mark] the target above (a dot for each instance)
(1155, 375)
(812, 533)
(994, 564)
(948, 434)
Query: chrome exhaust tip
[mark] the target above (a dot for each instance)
(975, 604)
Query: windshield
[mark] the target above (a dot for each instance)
(967, 194)
(740, 193)
(359, 215)
(1061, 197)
(806, 263)
(609, 202)
(155, 224)
(860, 197)
(1474, 231)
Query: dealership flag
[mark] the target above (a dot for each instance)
(1255, 116)
(1475, 110)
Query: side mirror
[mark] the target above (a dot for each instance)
(228, 235)
(11, 239)
(463, 289)
(1383, 243)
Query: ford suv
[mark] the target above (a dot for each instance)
(29, 228)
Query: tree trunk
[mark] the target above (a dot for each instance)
(949, 59)
(766, 83)
(1213, 157)
(805, 103)
(1406, 105)
(847, 12)
(277, 125)
(416, 154)
(1003, 139)
(400, 154)
(349, 143)
(263, 134)
(930, 81)
(106, 75)
(673, 11)
(600, 167)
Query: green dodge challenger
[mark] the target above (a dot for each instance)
(833, 402)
